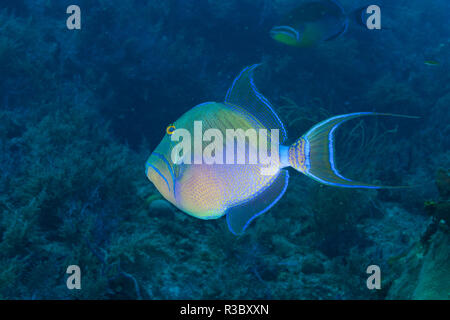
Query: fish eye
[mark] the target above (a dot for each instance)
(170, 129)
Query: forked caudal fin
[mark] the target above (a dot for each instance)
(313, 154)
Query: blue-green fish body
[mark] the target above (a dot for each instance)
(242, 191)
(207, 190)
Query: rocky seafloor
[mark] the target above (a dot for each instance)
(80, 112)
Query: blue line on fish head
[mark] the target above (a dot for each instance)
(159, 170)
(286, 35)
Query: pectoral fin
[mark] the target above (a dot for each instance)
(240, 216)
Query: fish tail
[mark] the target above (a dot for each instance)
(313, 153)
(359, 16)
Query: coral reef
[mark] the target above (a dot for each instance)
(80, 111)
(428, 263)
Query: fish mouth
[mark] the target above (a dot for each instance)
(159, 168)
(151, 170)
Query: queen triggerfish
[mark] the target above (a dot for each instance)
(241, 190)
(314, 22)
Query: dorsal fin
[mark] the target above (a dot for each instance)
(240, 216)
(243, 93)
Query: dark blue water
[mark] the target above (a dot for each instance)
(81, 110)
